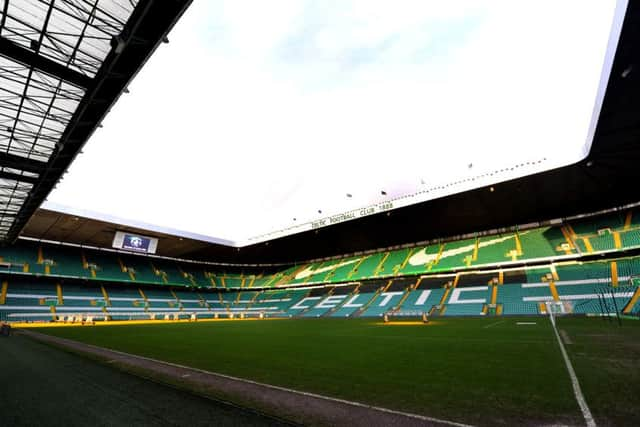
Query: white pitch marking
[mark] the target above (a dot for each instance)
(577, 391)
(525, 323)
(565, 337)
(275, 387)
(493, 324)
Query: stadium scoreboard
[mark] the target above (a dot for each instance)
(135, 242)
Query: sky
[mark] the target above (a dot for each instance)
(259, 118)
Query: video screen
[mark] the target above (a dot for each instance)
(136, 243)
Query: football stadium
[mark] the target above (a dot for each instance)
(264, 213)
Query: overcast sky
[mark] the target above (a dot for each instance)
(259, 112)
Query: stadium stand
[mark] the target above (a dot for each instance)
(630, 238)
(66, 261)
(606, 234)
(422, 300)
(421, 259)
(170, 273)
(43, 281)
(512, 276)
(455, 255)
(104, 266)
(381, 303)
(512, 299)
(342, 270)
(544, 242)
(474, 309)
(140, 269)
(497, 249)
(392, 262)
(592, 225)
(367, 267)
(579, 289)
(23, 257)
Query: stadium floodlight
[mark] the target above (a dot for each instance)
(118, 44)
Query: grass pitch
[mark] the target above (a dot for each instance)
(43, 386)
(486, 371)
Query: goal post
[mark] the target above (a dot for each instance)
(558, 308)
(552, 309)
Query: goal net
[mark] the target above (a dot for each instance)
(558, 308)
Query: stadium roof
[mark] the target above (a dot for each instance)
(62, 66)
(289, 119)
(606, 178)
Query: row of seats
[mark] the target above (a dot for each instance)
(65, 261)
(578, 237)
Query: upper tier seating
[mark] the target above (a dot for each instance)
(605, 233)
(67, 261)
(453, 255)
(591, 225)
(496, 249)
(107, 267)
(420, 259)
(630, 238)
(543, 242)
(142, 269)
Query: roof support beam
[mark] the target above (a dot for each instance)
(21, 163)
(46, 65)
(149, 21)
(18, 177)
(3, 20)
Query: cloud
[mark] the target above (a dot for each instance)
(332, 44)
(258, 112)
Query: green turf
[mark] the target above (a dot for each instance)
(44, 386)
(605, 357)
(457, 369)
